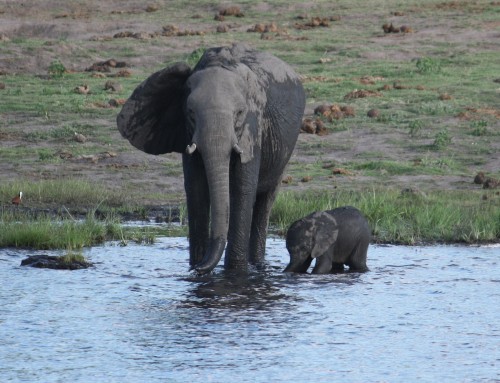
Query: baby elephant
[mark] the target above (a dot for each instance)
(334, 238)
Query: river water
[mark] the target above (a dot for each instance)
(426, 314)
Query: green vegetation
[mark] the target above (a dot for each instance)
(428, 65)
(71, 258)
(436, 94)
(45, 232)
(70, 192)
(56, 69)
(408, 217)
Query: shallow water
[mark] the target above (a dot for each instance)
(422, 314)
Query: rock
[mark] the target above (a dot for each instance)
(54, 262)
(65, 155)
(152, 8)
(323, 110)
(342, 171)
(445, 96)
(362, 93)
(116, 102)
(491, 183)
(258, 28)
(82, 89)
(348, 111)
(479, 178)
(406, 29)
(232, 10)
(113, 86)
(223, 28)
(105, 66)
(308, 126)
(78, 137)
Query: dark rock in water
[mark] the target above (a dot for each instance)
(53, 262)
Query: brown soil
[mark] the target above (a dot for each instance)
(93, 25)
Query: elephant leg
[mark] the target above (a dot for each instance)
(337, 268)
(296, 266)
(260, 221)
(357, 260)
(198, 206)
(323, 264)
(243, 187)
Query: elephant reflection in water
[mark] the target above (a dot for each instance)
(334, 238)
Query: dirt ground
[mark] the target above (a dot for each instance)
(84, 31)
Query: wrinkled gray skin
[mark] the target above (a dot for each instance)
(334, 238)
(235, 117)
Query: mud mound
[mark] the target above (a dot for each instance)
(334, 111)
(315, 126)
(316, 22)
(487, 182)
(106, 66)
(362, 93)
(478, 113)
(232, 10)
(389, 28)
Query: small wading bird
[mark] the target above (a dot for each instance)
(17, 199)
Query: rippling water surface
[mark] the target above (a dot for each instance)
(422, 314)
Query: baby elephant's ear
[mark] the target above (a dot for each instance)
(326, 235)
(152, 119)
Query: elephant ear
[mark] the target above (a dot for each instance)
(327, 232)
(250, 136)
(152, 119)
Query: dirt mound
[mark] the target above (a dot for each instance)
(362, 93)
(334, 111)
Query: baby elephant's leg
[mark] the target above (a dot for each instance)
(337, 267)
(357, 261)
(323, 265)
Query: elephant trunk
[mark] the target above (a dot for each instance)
(216, 155)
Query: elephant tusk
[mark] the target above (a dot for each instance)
(190, 149)
(237, 149)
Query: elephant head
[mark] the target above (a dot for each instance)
(310, 238)
(213, 113)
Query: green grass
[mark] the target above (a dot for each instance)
(405, 218)
(40, 110)
(67, 192)
(45, 233)
(72, 257)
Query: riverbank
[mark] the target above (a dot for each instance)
(412, 115)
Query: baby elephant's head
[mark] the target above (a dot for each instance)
(309, 238)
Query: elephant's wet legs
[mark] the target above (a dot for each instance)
(260, 221)
(299, 267)
(242, 204)
(323, 264)
(198, 206)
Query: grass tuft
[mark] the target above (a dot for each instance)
(407, 217)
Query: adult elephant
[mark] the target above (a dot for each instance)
(236, 118)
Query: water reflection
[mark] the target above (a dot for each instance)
(427, 314)
(257, 291)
